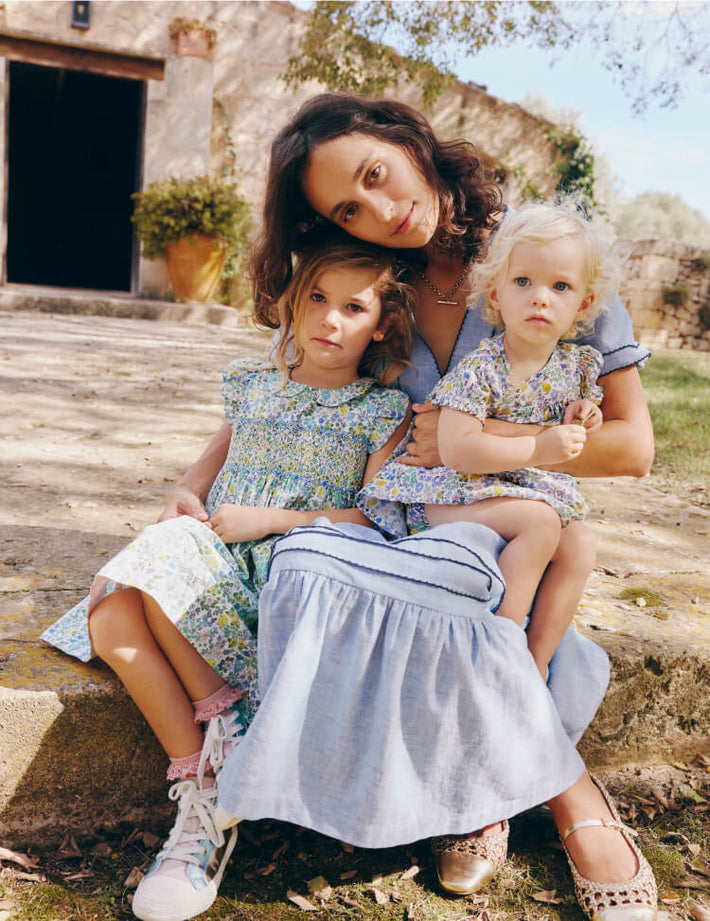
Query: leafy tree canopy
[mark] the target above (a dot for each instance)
(659, 216)
(350, 45)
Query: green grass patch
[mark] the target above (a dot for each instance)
(677, 386)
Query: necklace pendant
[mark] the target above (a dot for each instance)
(446, 303)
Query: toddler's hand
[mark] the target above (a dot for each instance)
(422, 450)
(237, 523)
(183, 501)
(584, 412)
(558, 444)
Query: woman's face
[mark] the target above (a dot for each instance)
(373, 190)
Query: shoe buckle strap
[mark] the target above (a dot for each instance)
(598, 823)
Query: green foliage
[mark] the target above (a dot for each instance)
(649, 55)
(175, 208)
(576, 169)
(349, 46)
(702, 263)
(181, 24)
(677, 294)
(660, 216)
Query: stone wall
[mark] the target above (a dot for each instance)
(651, 267)
(236, 99)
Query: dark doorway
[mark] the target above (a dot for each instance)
(73, 164)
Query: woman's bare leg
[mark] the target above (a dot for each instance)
(121, 627)
(601, 854)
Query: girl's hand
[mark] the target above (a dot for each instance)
(584, 412)
(237, 523)
(422, 450)
(558, 444)
(183, 501)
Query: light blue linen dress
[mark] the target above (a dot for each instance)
(292, 446)
(395, 704)
(480, 385)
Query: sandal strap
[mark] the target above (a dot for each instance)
(599, 823)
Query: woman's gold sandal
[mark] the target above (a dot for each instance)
(634, 899)
(464, 864)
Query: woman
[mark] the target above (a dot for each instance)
(375, 170)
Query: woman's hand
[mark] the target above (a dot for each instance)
(237, 523)
(183, 501)
(584, 412)
(422, 450)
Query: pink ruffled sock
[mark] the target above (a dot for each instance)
(216, 703)
(186, 768)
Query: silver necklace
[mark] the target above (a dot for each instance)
(443, 297)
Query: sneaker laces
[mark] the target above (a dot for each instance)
(187, 844)
(221, 737)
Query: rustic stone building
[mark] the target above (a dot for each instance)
(98, 103)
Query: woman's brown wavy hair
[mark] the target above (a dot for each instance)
(468, 197)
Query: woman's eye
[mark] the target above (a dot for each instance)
(374, 174)
(348, 213)
(561, 286)
(522, 281)
(317, 297)
(355, 308)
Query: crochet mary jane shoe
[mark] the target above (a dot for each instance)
(633, 899)
(464, 864)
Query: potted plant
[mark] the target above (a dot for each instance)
(200, 225)
(192, 37)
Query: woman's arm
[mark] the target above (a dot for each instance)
(235, 523)
(466, 447)
(622, 446)
(189, 493)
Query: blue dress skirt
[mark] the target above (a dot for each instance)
(395, 704)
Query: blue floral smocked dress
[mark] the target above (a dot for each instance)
(480, 384)
(293, 446)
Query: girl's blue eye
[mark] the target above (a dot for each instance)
(561, 286)
(522, 281)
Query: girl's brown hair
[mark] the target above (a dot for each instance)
(384, 360)
(468, 198)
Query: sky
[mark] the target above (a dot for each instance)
(664, 150)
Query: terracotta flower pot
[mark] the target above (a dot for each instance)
(194, 266)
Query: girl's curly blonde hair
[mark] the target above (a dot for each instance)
(384, 360)
(539, 222)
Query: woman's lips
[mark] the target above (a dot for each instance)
(406, 223)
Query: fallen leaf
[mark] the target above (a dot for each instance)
(349, 874)
(266, 871)
(411, 872)
(281, 849)
(149, 839)
(300, 901)
(669, 897)
(133, 878)
(348, 848)
(320, 888)
(380, 897)
(69, 847)
(101, 850)
(549, 896)
(346, 900)
(699, 912)
(23, 860)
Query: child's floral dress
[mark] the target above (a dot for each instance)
(480, 385)
(293, 447)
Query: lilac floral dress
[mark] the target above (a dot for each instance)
(293, 446)
(480, 384)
